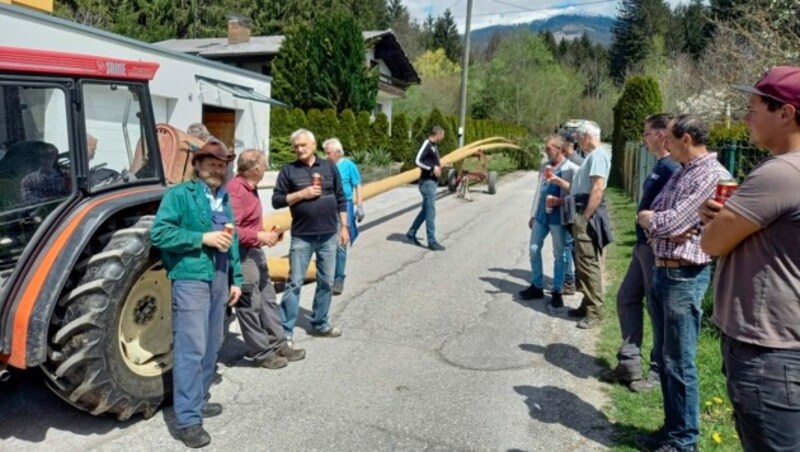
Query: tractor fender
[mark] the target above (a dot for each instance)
(41, 287)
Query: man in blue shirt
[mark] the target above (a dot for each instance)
(546, 219)
(636, 284)
(351, 185)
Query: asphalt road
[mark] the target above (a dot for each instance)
(436, 354)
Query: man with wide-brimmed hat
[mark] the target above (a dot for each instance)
(202, 260)
(757, 283)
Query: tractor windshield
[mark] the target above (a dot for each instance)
(115, 143)
(36, 168)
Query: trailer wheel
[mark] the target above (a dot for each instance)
(110, 344)
(492, 182)
(452, 180)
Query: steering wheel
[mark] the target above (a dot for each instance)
(100, 176)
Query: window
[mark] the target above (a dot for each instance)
(115, 141)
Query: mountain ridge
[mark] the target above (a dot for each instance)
(563, 26)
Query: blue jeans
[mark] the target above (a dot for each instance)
(427, 214)
(300, 251)
(198, 315)
(569, 249)
(341, 250)
(764, 388)
(675, 306)
(538, 233)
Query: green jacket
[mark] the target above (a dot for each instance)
(182, 218)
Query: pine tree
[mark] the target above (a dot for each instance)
(638, 22)
(330, 125)
(445, 36)
(279, 122)
(641, 97)
(297, 120)
(330, 56)
(315, 125)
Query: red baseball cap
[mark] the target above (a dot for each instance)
(781, 83)
(213, 148)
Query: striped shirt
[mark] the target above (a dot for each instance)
(676, 208)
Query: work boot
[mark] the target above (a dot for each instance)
(531, 293)
(619, 375)
(273, 362)
(338, 287)
(646, 384)
(577, 313)
(589, 323)
(291, 354)
(211, 410)
(556, 300)
(194, 436)
(651, 441)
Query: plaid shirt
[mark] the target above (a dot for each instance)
(676, 208)
(43, 185)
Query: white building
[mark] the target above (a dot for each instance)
(233, 103)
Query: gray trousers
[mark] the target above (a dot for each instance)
(258, 312)
(630, 309)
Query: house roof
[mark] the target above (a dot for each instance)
(108, 36)
(387, 48)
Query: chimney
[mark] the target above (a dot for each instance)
(238, 30)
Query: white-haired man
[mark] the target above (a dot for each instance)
(591, 229)
(312, 189)
(351, 184)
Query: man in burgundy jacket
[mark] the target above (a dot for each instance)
(257, 311)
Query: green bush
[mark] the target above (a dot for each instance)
(449, 143)
(279, 122)
(720, 135)
(330, 125)
(315, 124)
(379, 132)
(296, 120)
(347, 130)
(641, 97)
(280, 152)
(363, 141)
(417, 134)
(400, 145)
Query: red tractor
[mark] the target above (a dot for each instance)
(83, 296)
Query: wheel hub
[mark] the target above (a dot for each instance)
(145, 310)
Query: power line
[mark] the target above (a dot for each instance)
(527, 10)
(509, 4)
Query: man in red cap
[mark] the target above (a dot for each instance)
(757, 280)
(202, 260)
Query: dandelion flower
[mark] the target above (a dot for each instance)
(718, 400)
(716, 437)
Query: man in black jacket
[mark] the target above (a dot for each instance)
(428, 161)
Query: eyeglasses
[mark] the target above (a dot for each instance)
(650, 133)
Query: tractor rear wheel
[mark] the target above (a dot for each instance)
(491, 181)
(110, 345)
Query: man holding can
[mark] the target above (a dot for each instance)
(757, 283)
(202, 260)
(312, 189)
(546, 219)
(258, 313)
(680, 280)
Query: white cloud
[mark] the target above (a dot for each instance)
(501, 12)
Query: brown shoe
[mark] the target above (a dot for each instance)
(291, 354)
(272, 362)
(589, 323)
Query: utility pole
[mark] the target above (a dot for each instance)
(462, 111)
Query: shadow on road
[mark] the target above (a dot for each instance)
(566, 357)
(553, 405)
(28, 411)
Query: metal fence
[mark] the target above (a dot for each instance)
(738, 158)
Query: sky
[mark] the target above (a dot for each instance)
(486, 13)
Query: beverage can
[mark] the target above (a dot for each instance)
(547, 208)
(725, 189)
(279, 231)
(548, 172)
(316, 180)
(228, 228)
